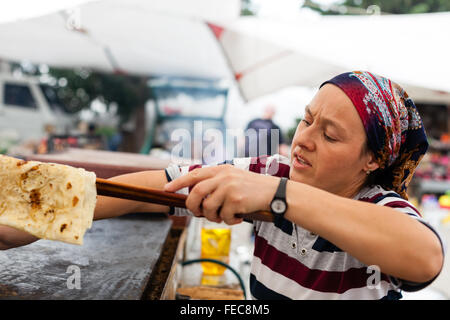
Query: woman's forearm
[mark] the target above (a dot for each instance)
(11, 238)
(108, 207)
(399, 245)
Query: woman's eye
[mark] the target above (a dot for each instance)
(328, 138)
(305, 122)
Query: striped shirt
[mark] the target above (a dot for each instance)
(289, 262)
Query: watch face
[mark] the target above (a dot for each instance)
(278, 206)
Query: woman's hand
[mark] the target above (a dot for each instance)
(220, 192)
(12, 238)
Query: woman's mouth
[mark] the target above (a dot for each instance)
(300, 162)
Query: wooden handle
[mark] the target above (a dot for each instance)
(131, 192)
(257, 215)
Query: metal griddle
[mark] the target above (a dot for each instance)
(115, 262)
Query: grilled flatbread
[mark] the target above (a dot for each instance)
(48, 200)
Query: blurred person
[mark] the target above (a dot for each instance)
(93, 140)
(260, 133)
(343, 226)
(115, 141)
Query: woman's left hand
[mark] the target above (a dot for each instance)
(220, 192)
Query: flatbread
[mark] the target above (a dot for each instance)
(48, 200)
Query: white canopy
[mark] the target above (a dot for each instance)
(171, 37)
(132, 36)
(267, 55)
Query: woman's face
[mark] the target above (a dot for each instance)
(326, 150)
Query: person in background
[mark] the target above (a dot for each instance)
(260, 133)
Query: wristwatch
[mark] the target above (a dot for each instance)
(278, 206)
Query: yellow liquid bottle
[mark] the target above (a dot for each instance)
(215, 244)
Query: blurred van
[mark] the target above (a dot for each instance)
(28, 108)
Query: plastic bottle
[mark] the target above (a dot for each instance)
(215, 244)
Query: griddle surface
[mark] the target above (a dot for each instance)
(115, 262)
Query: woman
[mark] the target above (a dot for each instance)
(342, 215)
(352, 158)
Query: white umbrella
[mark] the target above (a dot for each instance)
(25, 9)
(266, 55)
(132, 36)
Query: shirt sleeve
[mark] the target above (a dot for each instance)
(174, 171)
(404, 206)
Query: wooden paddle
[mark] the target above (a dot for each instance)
(131, 192)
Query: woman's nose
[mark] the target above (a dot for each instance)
(305, 139)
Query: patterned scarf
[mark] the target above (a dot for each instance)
(392, 123)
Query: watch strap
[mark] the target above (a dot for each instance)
(281, 190)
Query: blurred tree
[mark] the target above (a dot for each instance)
(386, 6)
(248, 8)
(83, 86)
(77, 88)
(291, 131)
(129, 93)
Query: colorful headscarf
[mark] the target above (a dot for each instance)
(392, 123)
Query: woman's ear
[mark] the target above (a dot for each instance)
(371, 164)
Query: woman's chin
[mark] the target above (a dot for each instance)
(294, 175)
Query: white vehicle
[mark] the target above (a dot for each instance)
(27, 107)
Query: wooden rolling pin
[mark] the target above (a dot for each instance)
(131, 192)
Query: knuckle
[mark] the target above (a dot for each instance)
(225, 169)
(198, 189)
(189, 203)
(207, 205)
(190, 207)
(212, 217)
(232, 222)
(236, 183)
(229, 167)
(223, 213)
(225, 178)
(228, 214)
(229, 219)
(195, 173)
(229, 186)
(236, 198)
